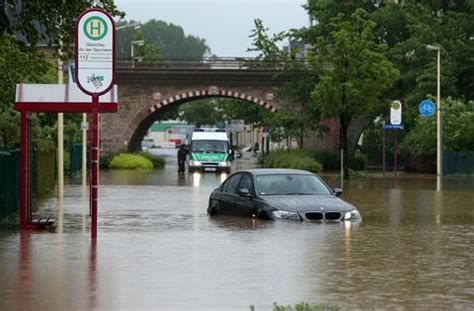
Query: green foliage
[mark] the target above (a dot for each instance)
(303, 306)
(200, 113)
(55, 17)
(17, 64)
(239, 109)
(104, 160)
(354, 72)
(158, 161)
(295, 159)
(304, 115)
(358, 162)
(458, 131)
(45, 167)
(263, 43)
(169, 39)
(127, 161)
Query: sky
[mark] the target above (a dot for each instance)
(224, 24)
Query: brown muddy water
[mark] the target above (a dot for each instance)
(158, 249)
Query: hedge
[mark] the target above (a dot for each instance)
(295, 159)
(127, 161)
(305, 159)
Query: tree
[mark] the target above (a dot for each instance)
(354, 73)
(31, 22)
(458, 131)
(170, 39)
(239, 109)
(48, 20)
(304, 115)
(200, 112)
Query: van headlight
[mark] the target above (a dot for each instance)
(194, 163)
(286, 215)
(225, 163)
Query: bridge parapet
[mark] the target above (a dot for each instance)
(212, 63)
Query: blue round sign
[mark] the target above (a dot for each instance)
(427, 108)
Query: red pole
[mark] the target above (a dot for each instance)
(95, 164)
(29, 204)
(24, 171)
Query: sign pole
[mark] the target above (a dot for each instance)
(95, 164)
(95, 70)
(383, 148)
(395, 151)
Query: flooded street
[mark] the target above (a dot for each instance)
(158, 249)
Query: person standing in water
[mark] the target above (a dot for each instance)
(182, 153)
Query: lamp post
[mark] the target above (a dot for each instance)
(439, 132)
(132, 52)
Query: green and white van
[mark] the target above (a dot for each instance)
(209, 151)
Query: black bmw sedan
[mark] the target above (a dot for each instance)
(280, 194)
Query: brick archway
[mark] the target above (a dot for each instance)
(138, 126)
(208, 93)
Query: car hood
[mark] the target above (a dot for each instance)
(304, 203)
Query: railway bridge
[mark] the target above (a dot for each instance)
(148, 90)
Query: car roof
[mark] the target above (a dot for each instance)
(275, 171)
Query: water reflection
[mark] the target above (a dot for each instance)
(157, 245)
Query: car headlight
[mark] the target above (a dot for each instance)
(195, 163)
(286, 215)
(354, 214)
(225, 163)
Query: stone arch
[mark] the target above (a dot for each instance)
(142, 121)
(210, 92)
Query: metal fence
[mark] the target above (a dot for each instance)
(9, 181)
(458, 163)
(75, 158)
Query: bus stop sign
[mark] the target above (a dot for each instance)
(95, 52)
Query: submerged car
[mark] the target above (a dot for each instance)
(280, 194)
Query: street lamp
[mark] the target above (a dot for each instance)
(439, 159)
(132, 52)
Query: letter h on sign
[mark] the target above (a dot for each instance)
(95, 26)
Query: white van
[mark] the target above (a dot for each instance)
(209, 151)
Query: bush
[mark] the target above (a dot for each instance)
(295, 159)
(158, 161)
(330, 160)
(127, 161)
(358, 162)
(325, 159)
(104, 160)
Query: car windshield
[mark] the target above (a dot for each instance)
(210, 146)
(290, 184)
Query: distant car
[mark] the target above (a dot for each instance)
(148, 143)
(280, 194)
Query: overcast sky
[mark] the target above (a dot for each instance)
(225, 24)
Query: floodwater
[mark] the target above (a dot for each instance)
(158, 249)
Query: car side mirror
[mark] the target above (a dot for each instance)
(244, 192)
(337, 192)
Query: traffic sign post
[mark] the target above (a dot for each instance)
(394, 124)
(95, 76)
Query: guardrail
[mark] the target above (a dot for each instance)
(205, 64)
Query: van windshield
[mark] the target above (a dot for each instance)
(209, 146)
